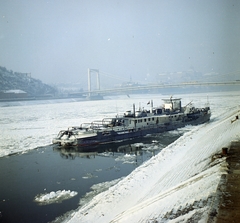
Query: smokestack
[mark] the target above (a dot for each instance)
(134, 110)
(151, 110)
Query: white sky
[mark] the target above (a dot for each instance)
(57, 41)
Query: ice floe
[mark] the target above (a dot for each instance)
(54, 197)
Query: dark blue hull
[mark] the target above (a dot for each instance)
(113, 136)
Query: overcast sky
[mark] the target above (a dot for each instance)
(58, 40)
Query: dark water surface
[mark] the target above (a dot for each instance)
(47, 169)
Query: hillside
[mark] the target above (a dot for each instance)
(10, 80)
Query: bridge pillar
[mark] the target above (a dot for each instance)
(90, 71)
(89, 82)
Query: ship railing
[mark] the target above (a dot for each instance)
(98, 125)
(107, 121)
(68, 132)
(113, 122)
(85, 127)
(73, 128)
(93, 126)
(86, 124)
(61, 133)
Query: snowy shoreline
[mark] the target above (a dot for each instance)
(180, 179)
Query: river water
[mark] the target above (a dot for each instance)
(30, 166)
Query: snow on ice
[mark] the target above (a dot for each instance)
(54, 197)
(176, 185)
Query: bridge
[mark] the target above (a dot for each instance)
(160, 86)
(128, 89)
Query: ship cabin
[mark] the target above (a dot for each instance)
(172, 105)
(170, 112)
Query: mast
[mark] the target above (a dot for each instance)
(134, 110)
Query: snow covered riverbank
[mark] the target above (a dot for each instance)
(177, 184)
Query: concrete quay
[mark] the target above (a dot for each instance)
(229, 188)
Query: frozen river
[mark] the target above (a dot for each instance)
(31, 124)
(27, 125)
(48, 172)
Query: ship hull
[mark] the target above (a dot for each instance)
(134, 124)
(138, 133)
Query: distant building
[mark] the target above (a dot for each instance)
(9, 94)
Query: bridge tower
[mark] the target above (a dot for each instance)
(90, 71)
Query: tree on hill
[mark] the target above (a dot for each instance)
(10, 80)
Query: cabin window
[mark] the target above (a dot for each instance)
(149, 119)
(153, 119)
(145, 120)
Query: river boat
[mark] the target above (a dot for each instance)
(134, 124)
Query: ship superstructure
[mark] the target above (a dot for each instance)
(132, 124)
